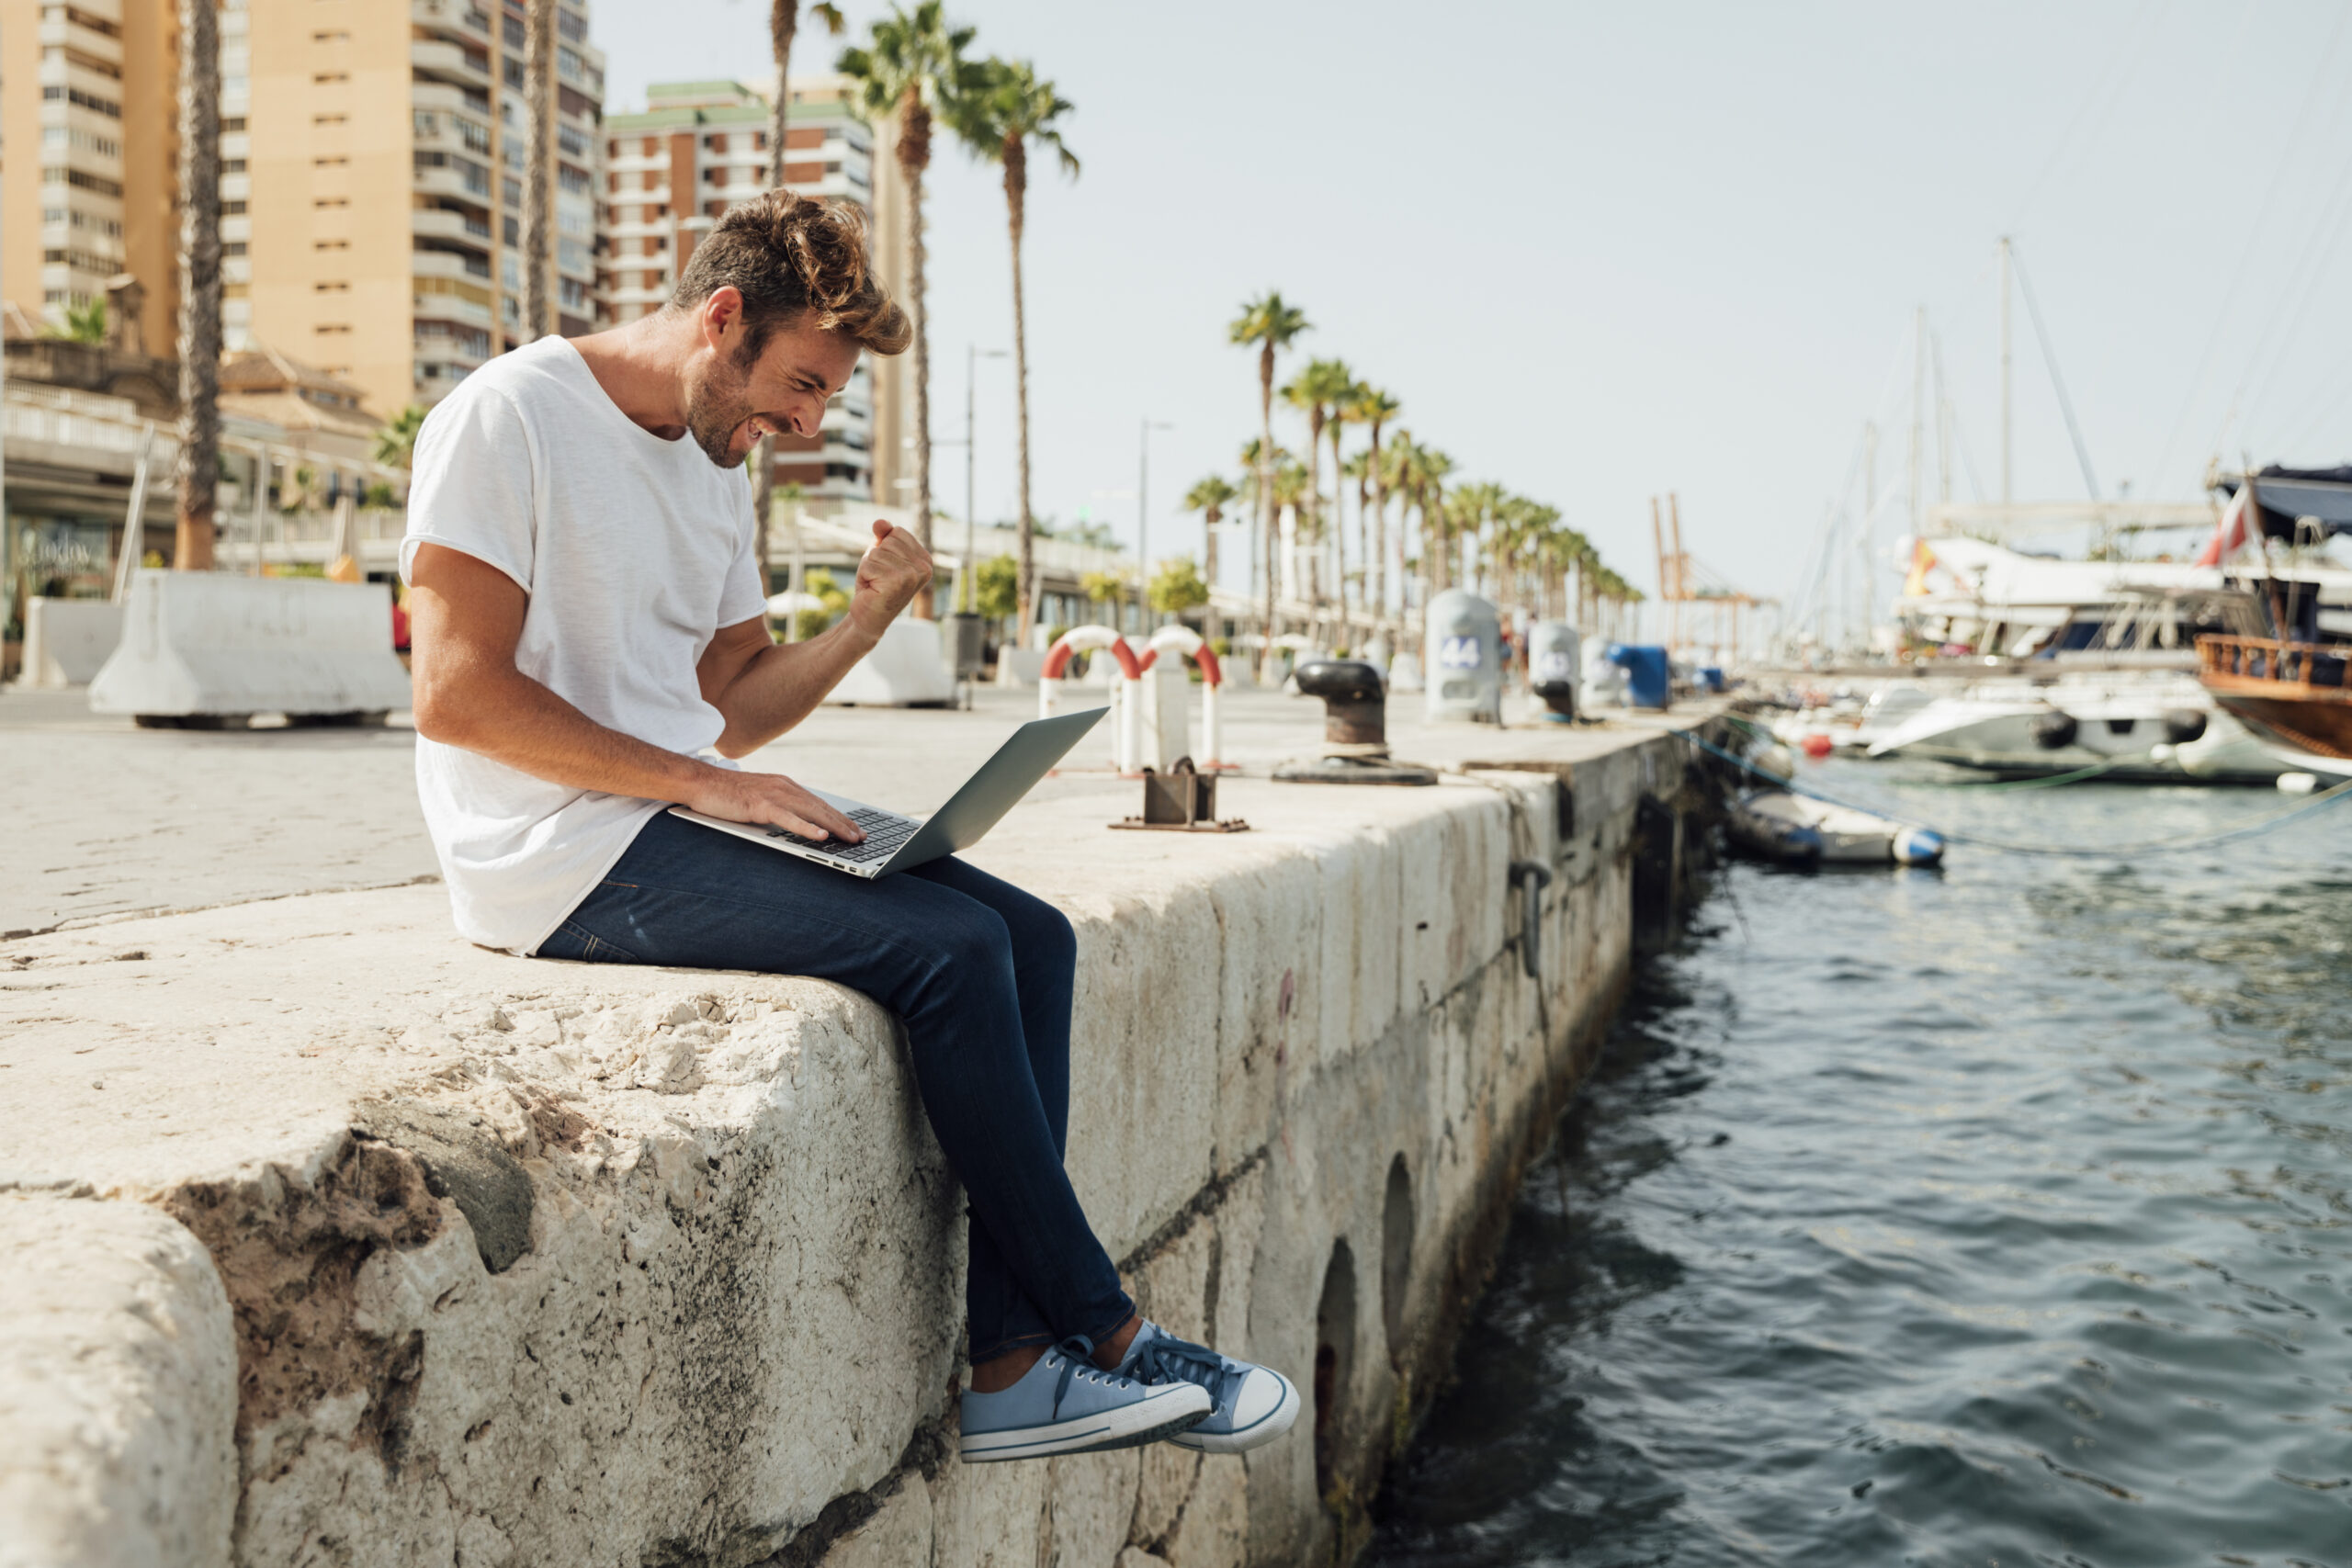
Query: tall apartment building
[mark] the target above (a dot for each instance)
(86, 94)
(372, 157)
(699, 147)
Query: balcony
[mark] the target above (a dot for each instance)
(452, 184)
(448, 136)
(67, 34)
(440, 223)
(450, 308)
(456, 267)
(468, 350)
(438, 59)
(450, 16)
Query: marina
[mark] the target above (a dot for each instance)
(1574, 837)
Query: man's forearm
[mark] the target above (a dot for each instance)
(782, 683)
(511, 718)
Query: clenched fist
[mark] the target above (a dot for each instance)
(893, 570)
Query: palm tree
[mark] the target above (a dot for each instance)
(1359, 469)
(1011, 108)
(1257, 455)
(1270, 322)
(1429, 469)
(1291, 482)
(1374, 408)
(396, 442)
(914, 68)
(1324, 384)
(539, 148)
(83, 323)
(1210, 498)
(784, 26)
(197, 474)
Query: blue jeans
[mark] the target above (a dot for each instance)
(979, 971)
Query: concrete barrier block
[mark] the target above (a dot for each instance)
(1020, 668)
(203, 643)
(68, 641)
(907, 669)
(117, 1389)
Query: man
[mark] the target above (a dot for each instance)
(589, 628)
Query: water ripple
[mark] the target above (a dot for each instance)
(2003, 1216)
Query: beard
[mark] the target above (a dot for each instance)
(716, 410)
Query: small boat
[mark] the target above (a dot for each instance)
(1799, 831)
(2150, 728)
(1856, 726)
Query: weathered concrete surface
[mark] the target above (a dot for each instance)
(117, 1387)
(540, 1263)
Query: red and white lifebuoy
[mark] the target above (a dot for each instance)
(1127, 695)
(1127, 720)
(1186, 643)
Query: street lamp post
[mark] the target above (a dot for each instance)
(973, 354)
(1143, 509)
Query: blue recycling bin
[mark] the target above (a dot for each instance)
(1648, 681)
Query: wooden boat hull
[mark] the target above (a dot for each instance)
(2317, 719)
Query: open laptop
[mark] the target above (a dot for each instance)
(897, 843)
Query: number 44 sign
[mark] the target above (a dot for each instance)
(1459, 653)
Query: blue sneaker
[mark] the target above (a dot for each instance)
(1254, 1405)
(1066, 1404)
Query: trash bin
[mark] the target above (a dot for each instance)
(1649, 683)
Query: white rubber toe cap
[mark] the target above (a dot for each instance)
(1263, 1409)
(1262, 1395)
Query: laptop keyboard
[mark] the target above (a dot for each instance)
(884, 834)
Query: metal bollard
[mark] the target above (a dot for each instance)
(1355, 729)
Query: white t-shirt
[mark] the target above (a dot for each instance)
(635, 552)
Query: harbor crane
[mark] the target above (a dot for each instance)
(1682, 580)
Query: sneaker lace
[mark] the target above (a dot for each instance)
(1166, 1359)
(1078, 1356)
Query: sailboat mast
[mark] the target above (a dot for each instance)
(1917, 460)
(1862, 533)
(2008, 493)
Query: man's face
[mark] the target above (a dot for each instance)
(730, 404)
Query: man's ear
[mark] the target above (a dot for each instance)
(722, 313)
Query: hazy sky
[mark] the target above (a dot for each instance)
(1602, 252)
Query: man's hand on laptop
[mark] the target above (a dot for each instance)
(770, 800)
(894, 569)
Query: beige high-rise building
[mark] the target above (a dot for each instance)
(699, 147)
(372, 156)
(87, 154)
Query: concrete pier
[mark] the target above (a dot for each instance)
(329, 1238)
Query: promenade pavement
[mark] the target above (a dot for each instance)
(108, 821)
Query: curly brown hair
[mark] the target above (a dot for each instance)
(790, 255)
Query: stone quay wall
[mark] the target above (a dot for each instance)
(326, 1238)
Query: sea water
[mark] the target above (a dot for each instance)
(1995, 1215)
